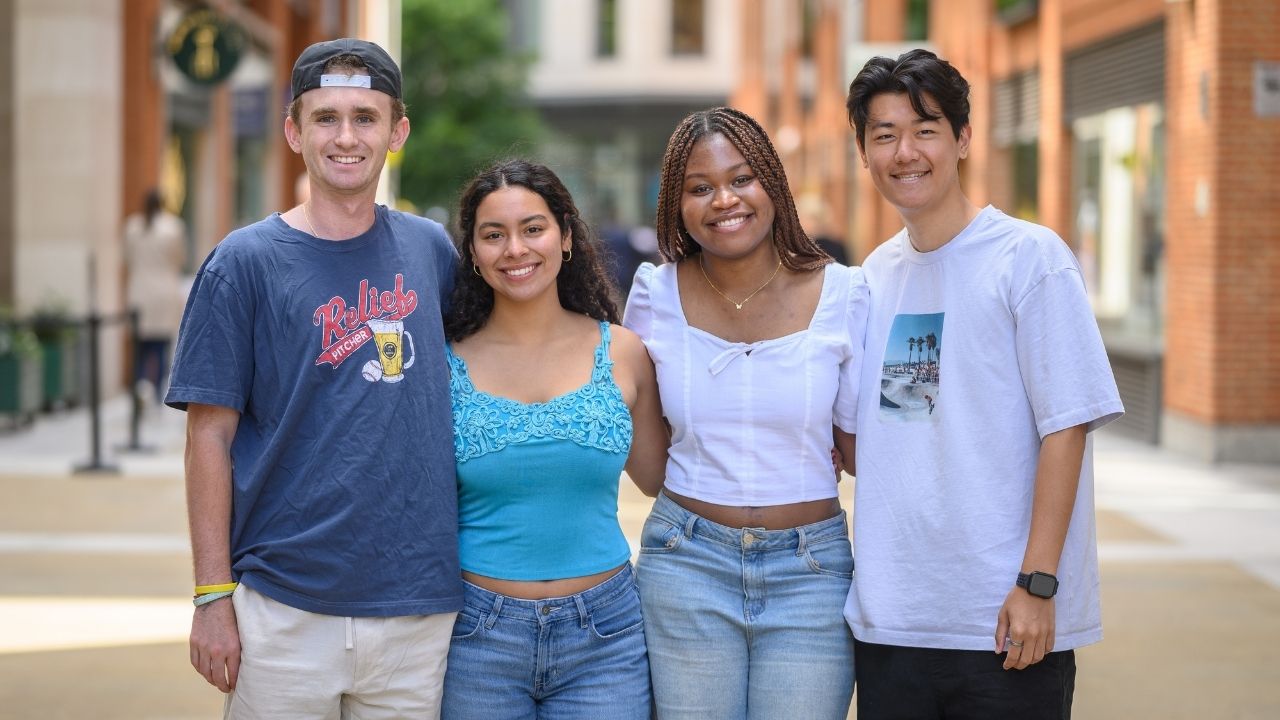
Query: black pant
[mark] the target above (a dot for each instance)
(905, 683)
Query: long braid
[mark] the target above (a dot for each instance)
(795, 249)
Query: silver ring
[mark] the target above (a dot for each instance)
(1015, 643)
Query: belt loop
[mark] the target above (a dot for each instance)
(494, 612)
(803, 542)
(351, 635)
(583, 617)
(688, 526)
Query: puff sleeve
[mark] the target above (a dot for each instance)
(638, 314)
(855, 316)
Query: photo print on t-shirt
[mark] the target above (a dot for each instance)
(909, 375)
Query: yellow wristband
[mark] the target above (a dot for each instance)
(206, 589)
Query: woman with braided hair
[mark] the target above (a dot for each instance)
(550, 400)
(757, 339)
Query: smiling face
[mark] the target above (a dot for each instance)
(343, 135)
(914, 161)
(723, 205)
(518, 243)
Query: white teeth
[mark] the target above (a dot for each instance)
(345, 160)
(519, 272)
(911, 176)
(731, 222)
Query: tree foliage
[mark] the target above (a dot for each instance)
(464, 90)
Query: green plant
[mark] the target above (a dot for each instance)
(15, 339)
(52, 322)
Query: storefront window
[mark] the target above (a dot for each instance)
(687, 27)
(1118, 201)
(606, 28)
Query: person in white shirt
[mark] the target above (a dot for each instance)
(757, 340)
(973, 522)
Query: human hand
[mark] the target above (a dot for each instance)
(1025, 629)
(215, 644)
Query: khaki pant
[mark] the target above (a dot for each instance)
(300, 665)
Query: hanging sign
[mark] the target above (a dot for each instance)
(205, 46)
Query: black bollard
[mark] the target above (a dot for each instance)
(135, 412)
(95, 464)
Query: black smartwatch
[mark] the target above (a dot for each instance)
(1042, 585)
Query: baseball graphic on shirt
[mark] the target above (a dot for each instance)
(372, 371)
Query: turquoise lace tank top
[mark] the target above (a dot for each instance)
(538, 482)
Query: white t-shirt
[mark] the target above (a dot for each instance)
(751, 422)
(999, 320)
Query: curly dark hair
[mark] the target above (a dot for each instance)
(795, 249)
(583, 285)
(915, 73)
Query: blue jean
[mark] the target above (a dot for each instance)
(745, 622)
(581, 656)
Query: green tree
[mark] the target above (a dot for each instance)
(464, 89)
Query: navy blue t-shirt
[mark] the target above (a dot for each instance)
(344, 500)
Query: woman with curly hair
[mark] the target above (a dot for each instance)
(757, 338)
(550, 399)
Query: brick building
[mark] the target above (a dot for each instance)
(1145, 132)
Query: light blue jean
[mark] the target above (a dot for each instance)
(581, 656)
(745, 622)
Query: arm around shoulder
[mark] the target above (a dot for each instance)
(647, 463)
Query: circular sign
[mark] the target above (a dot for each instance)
(205, 46)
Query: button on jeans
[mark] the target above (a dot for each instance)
(580, 656)
(746, 622)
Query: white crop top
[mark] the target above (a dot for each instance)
(751, 422)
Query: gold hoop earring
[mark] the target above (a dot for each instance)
(569, 257)
(476, 269)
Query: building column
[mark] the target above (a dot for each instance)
(1054, 196)
(1222, 359)
(7, 142)
(749, 95)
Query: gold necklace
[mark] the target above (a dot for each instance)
(736, 304)
(310, 227)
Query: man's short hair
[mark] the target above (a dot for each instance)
(915, 73)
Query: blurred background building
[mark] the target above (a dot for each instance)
(1145, 132)
(612, 78)
(103, 100)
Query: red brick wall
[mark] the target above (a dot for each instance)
(1223, 333)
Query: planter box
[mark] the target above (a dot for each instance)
(61, 360)
(51, 354)
(21, 388)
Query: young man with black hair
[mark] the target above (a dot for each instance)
(974, 524)
(320, 470)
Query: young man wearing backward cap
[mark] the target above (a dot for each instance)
(319, 462)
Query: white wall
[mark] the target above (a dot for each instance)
(67, 110)
(567, 67)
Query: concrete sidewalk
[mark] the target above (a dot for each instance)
(95, 581)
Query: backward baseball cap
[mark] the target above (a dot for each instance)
(308, 71)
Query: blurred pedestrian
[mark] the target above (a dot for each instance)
(550, 398)
(974, 525)
(155, 243)
(320, 475)
(745, 560)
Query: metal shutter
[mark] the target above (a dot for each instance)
(1123, 70)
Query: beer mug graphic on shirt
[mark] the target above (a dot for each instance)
(390, 337)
